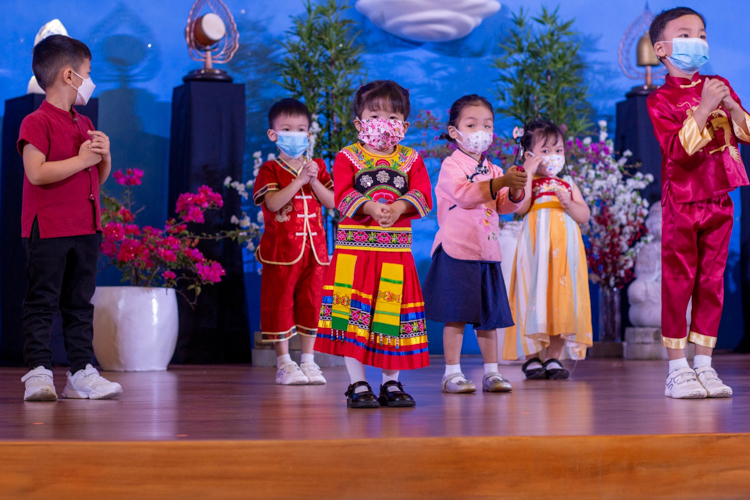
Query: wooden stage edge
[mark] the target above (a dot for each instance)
(662, 466)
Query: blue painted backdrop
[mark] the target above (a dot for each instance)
(140, 55)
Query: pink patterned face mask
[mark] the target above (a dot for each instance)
(380, 133)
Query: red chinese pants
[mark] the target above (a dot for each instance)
(694, 249)
(290, 298)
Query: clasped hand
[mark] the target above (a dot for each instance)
(384, 215)
(309, 172)
(96, 149)
(716, 92)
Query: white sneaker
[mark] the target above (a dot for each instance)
(313, 373)
(88, 384)
(39, 385)
(290, 374)
(683, 383)
(713, 384)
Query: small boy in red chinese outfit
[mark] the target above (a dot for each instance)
(292, 189)
(698, 121)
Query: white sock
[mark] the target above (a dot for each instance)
(393, 376)
(490, 368)
(307, 358)
(356, 372)
(555, 365)
(674, 364)
(535, 365)
(451, 369)
(701, 360)
(284, 358)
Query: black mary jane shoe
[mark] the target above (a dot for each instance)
(365, 399)
(534, 373)
(395, 399)
(555, 373)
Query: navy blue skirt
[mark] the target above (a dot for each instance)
(466, 291)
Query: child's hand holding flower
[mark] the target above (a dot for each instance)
(515, 179)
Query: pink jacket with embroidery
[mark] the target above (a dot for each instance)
(467, 212)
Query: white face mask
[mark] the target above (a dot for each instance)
(475, 142)
(551, 165)
(84, 91)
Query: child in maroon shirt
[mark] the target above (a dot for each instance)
(65, 160)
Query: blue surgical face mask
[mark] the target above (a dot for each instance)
(293, 144)
(689, 54)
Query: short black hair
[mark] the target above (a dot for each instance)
(463, 102)
(288, 107)
(55, 52)
(382, 94)
(537, 130)
(660, 22)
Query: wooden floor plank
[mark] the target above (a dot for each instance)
(603, 397)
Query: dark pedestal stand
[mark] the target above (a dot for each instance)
(207, 144)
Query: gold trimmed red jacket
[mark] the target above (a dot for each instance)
(696, 165)
(298, 224)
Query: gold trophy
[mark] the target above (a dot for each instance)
(212, 38)
(645, 55)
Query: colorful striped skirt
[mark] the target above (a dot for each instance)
(373, 310)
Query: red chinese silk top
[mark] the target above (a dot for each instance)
(696, 165)
(298, 223)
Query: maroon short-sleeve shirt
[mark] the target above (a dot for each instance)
(69, 207)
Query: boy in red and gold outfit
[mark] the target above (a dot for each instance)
(292, 190)
(698, 121)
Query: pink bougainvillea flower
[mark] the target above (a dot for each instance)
(126, 215)
(210, 272)
(114, 231)
(119, 177)
(194, 254)
(169, 275)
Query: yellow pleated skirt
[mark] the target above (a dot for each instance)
(549, 287)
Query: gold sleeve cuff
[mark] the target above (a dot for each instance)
(739, 131)
(691, 138)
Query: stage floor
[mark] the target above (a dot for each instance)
(603, 397)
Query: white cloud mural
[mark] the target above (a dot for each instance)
(428, 20)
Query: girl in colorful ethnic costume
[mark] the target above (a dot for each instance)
(292, 190)
(373, 311)
(549, 286)
(465, 282)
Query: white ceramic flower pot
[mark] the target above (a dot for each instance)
(135, 328)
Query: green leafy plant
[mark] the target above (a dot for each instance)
(323, 68)
(542, 73)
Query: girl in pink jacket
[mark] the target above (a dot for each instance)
(465, 282)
